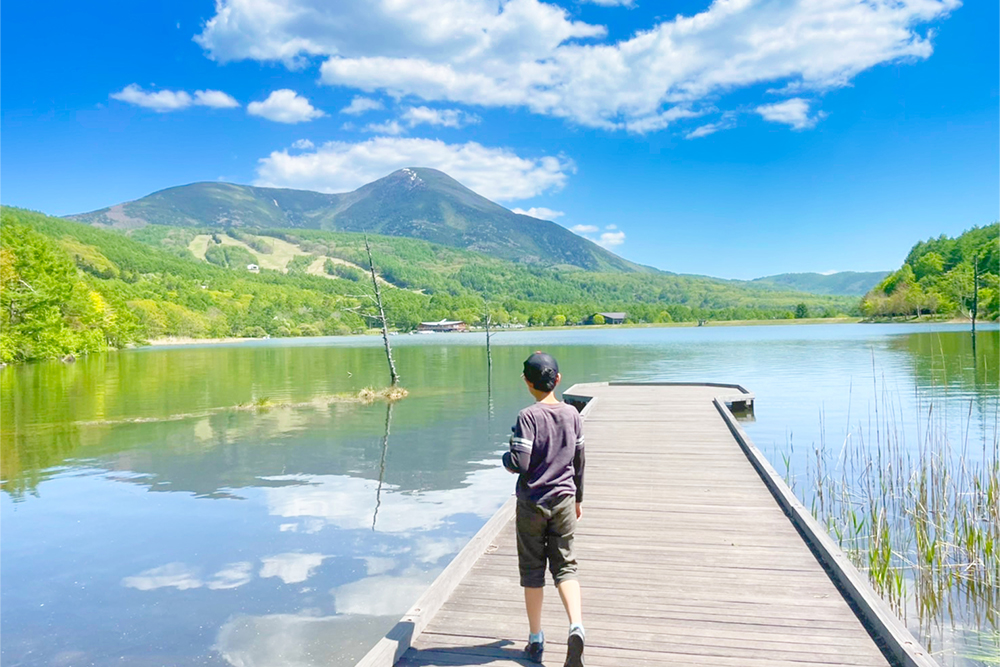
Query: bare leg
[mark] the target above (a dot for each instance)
(569, 591)
(533, 603)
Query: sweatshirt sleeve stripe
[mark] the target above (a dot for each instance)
(520, 443)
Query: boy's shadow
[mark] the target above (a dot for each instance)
(481, 654)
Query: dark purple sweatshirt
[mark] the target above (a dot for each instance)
(546, 452)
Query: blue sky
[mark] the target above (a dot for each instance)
(736, 139)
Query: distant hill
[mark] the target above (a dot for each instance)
(417, 203)
(843, 283)
(73, 288)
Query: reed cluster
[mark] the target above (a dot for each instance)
(390, 394)
(922, 519)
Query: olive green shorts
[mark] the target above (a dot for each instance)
(545, 533)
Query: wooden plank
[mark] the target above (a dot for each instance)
(691, 562)
(597, 656)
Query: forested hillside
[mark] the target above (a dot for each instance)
(939, 277)
(844, 283)
(70, 288)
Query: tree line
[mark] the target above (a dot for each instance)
(67, 288)
(943, 276)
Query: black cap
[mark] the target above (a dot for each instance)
(540, 370)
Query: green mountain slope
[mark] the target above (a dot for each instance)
(418, 203)
(158, 280)
(943, 276)
(844, 283)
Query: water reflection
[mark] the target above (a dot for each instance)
(291, 568)
(381, 465)
(304, 638)
(183, 577)
(199, 534)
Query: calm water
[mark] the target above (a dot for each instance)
(146, 522)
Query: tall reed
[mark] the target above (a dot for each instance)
(922, 519)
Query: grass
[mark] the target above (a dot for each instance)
(367, 396)
(922, 521)
(281, 253)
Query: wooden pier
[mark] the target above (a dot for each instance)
(692, 551)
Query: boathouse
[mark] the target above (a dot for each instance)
(610, 318)
(442, 326)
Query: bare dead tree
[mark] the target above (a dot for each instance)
(381, 316)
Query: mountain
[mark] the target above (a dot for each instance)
(844, 283)
(72, 288)
(414, 202)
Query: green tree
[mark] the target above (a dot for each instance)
(801, 311)
(931, 264)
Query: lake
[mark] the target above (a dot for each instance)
(147, 519)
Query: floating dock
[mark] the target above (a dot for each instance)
(692, 551)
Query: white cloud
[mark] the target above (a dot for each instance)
(429, 550)
(382, 595)
(233, 575)
(360, 105)
(215, 99)
(184, 577)
(728, 121)
(379, 564)
(539, 212)
(496, 173)
(390, 127)
(285, 106)
(349, 502)
(161, 100)
(293, 640)
(291, 568)
(456, 118)
(612, 3)
(611, 227)
(173, 100)
(304, 144)
(171, 575)
(794, 112)
(611, 239)
(703, 131)
(584, 229)
(532, 54)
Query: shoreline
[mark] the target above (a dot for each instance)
(180, 341)
(187, 340)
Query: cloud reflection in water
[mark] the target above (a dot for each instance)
(348, 502)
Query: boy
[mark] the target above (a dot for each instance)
(546, 452)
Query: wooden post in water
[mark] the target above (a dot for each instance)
(381, 315)
(975, 293)
(489, 353)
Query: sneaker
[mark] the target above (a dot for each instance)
(533, 651)
(574, 648)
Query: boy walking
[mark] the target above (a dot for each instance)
(546, 452)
